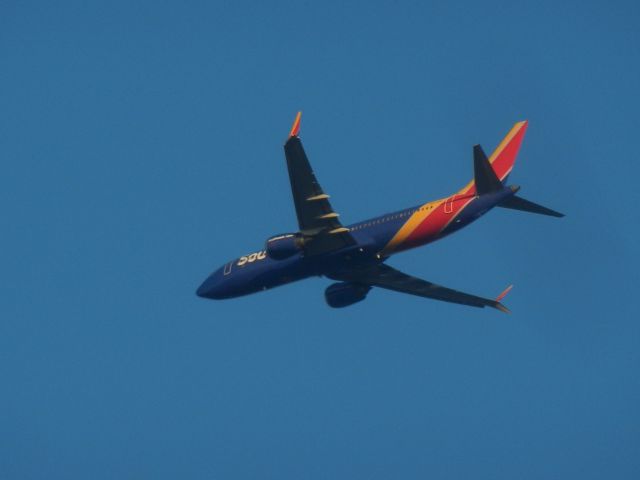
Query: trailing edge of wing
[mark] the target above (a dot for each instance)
(384, 276)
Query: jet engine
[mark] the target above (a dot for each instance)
(284, 246)
(343, 294)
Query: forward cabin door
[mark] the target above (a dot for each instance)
(227, 268)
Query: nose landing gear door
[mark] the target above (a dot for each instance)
(227, 268)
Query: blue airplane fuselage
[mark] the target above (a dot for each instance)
(376, 240)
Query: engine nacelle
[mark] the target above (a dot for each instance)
(343, 294)
(284, 246)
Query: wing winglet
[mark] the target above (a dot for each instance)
(502, 308)
(295, 128)
(499, 305)
(504, 293)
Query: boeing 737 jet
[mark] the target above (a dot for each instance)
(355, 255)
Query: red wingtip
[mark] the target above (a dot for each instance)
(504, 293)
(295, 129)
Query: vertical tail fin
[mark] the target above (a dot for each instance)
(484, 176)
(504, 156)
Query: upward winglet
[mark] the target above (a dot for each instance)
(504, 293)
(499, 305)
(295, 128)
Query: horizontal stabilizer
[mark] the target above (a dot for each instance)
(518, 203)
(485, 177)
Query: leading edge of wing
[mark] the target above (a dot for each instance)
(313, 209)
(317, 220)
(384, 276)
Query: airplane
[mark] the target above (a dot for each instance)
(354, 256)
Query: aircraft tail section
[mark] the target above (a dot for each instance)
(501, 160)
(490, 174)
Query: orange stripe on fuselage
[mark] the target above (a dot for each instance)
(418, 218)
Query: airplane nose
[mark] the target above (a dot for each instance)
(210, 287)
(203, 289)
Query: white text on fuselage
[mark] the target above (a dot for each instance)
(252, 258)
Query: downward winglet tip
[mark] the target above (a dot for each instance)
(295, 128)
(502, 308)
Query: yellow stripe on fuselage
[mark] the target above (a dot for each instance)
(410, 225)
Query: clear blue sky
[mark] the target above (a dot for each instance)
(141, 147)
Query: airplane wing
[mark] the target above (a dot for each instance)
(316, 218)
(387, 277)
